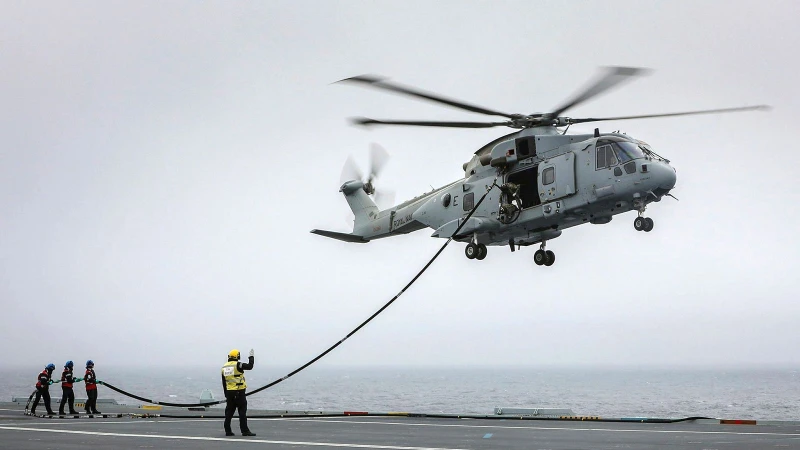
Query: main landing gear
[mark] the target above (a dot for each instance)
(475, 251)
(643, 223)
(544, 257)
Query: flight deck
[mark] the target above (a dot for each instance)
(129, 427)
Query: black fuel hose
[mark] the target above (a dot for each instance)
(332, 347)
(441, 416)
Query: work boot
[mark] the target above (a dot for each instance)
(33, 412)
(229, 433)
(96, 412)
(248, 433)
(74, 412)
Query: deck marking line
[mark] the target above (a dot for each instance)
(487, 435)
(75, 422)
(610, 430)
(201, 438)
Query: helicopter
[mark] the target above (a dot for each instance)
(547, 180)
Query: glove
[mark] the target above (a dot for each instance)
(98, 382)
(49, 381)
(251, 353)
(78, 380)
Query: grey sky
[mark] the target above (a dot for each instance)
(162, 163)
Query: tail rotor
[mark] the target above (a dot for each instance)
(379, 157)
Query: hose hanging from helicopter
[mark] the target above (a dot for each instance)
(335, 345)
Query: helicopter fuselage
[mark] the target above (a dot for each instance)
(544, 182)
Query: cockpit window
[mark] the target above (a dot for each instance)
(622, 155)
(631, 149)
(606, 157)
(611, 158)
(601, 156)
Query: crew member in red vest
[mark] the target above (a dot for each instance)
(66, 388)
(91, 388)
(43, 388)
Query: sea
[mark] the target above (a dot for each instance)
(735, 393)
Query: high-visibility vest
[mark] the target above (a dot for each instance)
(234, 379)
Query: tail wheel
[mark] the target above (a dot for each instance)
(481, 252)
(471, 251)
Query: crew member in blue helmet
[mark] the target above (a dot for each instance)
(67, 394)
(91, 388)
(43, 388)
(234, 386)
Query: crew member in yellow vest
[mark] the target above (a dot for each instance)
(234, 386)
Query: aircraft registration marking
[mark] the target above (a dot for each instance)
(401, 221)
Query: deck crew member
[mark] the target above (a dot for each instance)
(234, 386)
(91, 388)
(43, 388)
(67, 394)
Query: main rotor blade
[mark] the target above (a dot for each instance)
(427, 123)
(688, 113)
(613, 77)
(379, 82)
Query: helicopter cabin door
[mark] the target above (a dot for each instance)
(557, 177)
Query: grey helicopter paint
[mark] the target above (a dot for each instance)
(538, 181)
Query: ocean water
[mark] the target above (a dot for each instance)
(740, 393)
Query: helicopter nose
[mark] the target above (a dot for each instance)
(665, 175)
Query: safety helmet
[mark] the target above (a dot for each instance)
(69, 364)
(51, 367)
(89, 363)
(234, 354)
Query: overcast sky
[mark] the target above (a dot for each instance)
(162, 163)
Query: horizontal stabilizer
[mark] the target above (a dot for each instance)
(341, 236)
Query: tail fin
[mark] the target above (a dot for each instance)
(364, 209)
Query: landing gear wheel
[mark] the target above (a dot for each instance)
(540, 257)
(639, 223)
(471, 251)
(648, 226)
(551, 258)
(481, 252)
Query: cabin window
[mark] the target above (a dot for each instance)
(469, 201)
(446, 200)
(549, 176)
(617, 172)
